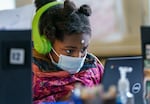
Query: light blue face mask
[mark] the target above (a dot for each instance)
(67, 63)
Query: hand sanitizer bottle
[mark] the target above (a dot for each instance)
(124, 86)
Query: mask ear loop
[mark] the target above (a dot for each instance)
(85, 53)
(52, 59)
(55, 52)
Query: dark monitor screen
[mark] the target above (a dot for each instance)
(15, 67)
(145, 45)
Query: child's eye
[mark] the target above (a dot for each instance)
(83, 50)
(69, 51)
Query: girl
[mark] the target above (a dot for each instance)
(55, 72)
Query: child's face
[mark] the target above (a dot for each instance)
(74, 45)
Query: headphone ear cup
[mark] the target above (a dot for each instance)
(46, 45)
(41, 43)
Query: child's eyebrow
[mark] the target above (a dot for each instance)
(71, 47)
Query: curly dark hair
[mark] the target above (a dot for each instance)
(63, 19)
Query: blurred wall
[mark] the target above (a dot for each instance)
(130, 44)
(20, 3)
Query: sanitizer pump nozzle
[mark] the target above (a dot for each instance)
(124, 85)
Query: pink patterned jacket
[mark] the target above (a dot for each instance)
(51, 84)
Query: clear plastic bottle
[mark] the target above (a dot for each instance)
(126, 97)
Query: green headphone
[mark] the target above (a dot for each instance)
(41, 43)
